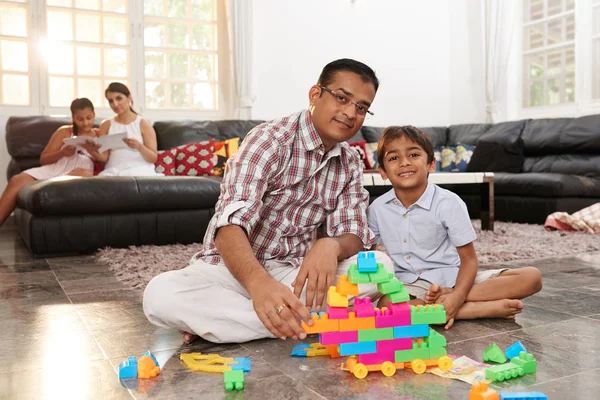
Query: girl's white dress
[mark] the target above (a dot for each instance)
(127, 161)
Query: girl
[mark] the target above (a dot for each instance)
(139, 157)
(57, 159)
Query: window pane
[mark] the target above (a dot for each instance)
(88, 28)
(180, 95)
(554, 62)
(60, 59)
(536, 65)
(15, 89)
(177, 8)
(570, 88)
(570, 27)
(178, 36)
(92, 89)
(202, 9)
(155, 64)
(203, 38)
(554, 7)
(155, 95)
(596, 69)
(533, 37)
(119, 6)
(115, 30)
(534, 9)
(88, 60)
(571, 4)
(60, 3)
(13, 21)
(60, 25)
(555, 31)
(596, 23)
(61, 91)
(202, 67)
(14, 56)
(554, 91)
(570, 60)
(178, 64)
(154, 34)
(204, 96)
(87, 4)
(115, 62)
(536, 94)
(153, 7)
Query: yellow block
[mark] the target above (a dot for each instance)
(206, 362)
(335, 299)
(344, 287)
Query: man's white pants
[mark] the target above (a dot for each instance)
(206, 300)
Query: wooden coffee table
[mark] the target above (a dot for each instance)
(485, 179)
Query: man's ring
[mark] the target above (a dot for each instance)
(280, 308)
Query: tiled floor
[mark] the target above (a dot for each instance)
(66, 323)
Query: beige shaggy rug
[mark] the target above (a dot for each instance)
(508, 242)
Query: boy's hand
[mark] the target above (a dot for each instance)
(451, 302)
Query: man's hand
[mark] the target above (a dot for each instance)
(451, 302)
(68, 151)
(319, 267)
(268, 295)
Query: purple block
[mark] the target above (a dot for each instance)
(338, 312)
(327, 338)
(386, 318)
(363, 308)
(377, 358)
(386, 346)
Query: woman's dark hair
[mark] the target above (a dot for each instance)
(118, 87)
(80, 104)
(346, 64)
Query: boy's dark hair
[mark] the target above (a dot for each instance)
(346, 64)
(118, 87)
(80, 104)
(412, 133)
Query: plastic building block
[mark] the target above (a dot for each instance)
(385, 318)
(356, 277)
(437, 352)
(147, 367)
(321, 324)
(435, 339)
(147, 353)
(241, 363)
(345, 288)
(337, 312)
(207, 362)
(128, 368)
(494, 354)
(363, 308)
(376, 358)
(299, 350)
(419, 351)
(390, 346)
(349, 349)
(356, 324)
(481, 391)
(369, 335)
(233, 380)
(391, 285)
(514, 350)
(366, 262)
(309, 350)
(382, 275)
(504, 372)
(411, 331)
(338, 337)
(334, 299)
(523, 396)
(525, 361)
(401, 296)
(333, 351)
(427, 314)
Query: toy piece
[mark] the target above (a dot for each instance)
(481, 391)
(388, 368)
(494, 354)
(128, 368)
(523, 396)
(380, 276)
(427, 314)
(333, 351)
(321, 324)
(356, 324)
(337, 312)
(394, 344)
(334, 299)
(356, 277)
(366, 262)
(391, 285)
(376, 358)
(345, 288)
(364, 308)
(369, 335)
(338, 337)
(514, 350)
(525, 361)
(434, 339)
(399, 297)
(242, 363)
(147, 353)
(233, 380)
(411, 331)
(206, 362)
(309, 350)
(504, 372)
(147, 367)
(348, 349)
(388, 318)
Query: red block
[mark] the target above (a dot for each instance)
(338, 312)
(387, 318)
(364, 308)
(338, 337)
(377, 358)
(386, 346)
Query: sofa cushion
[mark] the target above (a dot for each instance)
(224, 150)
(165, 163)
(466, 134)
(543, 136)
(361, 149)
(575, 164)
(438, 135)
(171, 134)
(545, 185)
(371, 133)
(236, 128)
(196, 159)
(500, 149)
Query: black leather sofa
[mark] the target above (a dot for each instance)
(540, 166)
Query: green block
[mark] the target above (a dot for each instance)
(428, 314)
(372, 335)
(504, 372)
(494, 354)
(421, 353)
(380, 276)
(399, 297)
(435, 339)
(233, 380)
(526, 361)
(437, 352)
(391, 286)
(356, 277)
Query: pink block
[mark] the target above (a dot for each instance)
(338, 337)
(400, 308)
(338, 312)
(364, 308)
(377, 358)
(385, 346)
(387, 319)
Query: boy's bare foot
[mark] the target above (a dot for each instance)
(505, 308)
(434, 292)
(188, 337)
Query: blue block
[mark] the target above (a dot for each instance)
(243, 363)
(299, 350)
(366, 262)
(523, 396)
(514, 350)
(152, 357)
(128, 368)
(350, 349)
(411, 331)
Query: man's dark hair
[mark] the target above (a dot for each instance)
(412, 133)
(346, 64)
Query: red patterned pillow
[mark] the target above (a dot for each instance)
(165, 163)
(361, 147)
(196, 159)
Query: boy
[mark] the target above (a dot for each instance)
(428, 234)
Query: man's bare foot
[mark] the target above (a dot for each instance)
(505, 308)
(434, 292)
(188, 337)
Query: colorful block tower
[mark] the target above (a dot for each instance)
(379, 339)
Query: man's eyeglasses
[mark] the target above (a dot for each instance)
(343, 100)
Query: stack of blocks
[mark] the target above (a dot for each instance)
(399, 333)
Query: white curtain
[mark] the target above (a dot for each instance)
(499, 24)
(240, 23)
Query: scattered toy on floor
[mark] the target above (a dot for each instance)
(144, 367)
(233, 380)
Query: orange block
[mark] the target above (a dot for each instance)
(321, 324)
(147, 368)
(344, 287)
(481, 391)
(356, 324)
(333, 350)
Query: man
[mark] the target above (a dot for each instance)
(261, 253)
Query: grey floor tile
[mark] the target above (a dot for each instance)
(566, 301)
(84, 276)
(581, 386)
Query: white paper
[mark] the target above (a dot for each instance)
(107, 142)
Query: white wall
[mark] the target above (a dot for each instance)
(427, 55)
